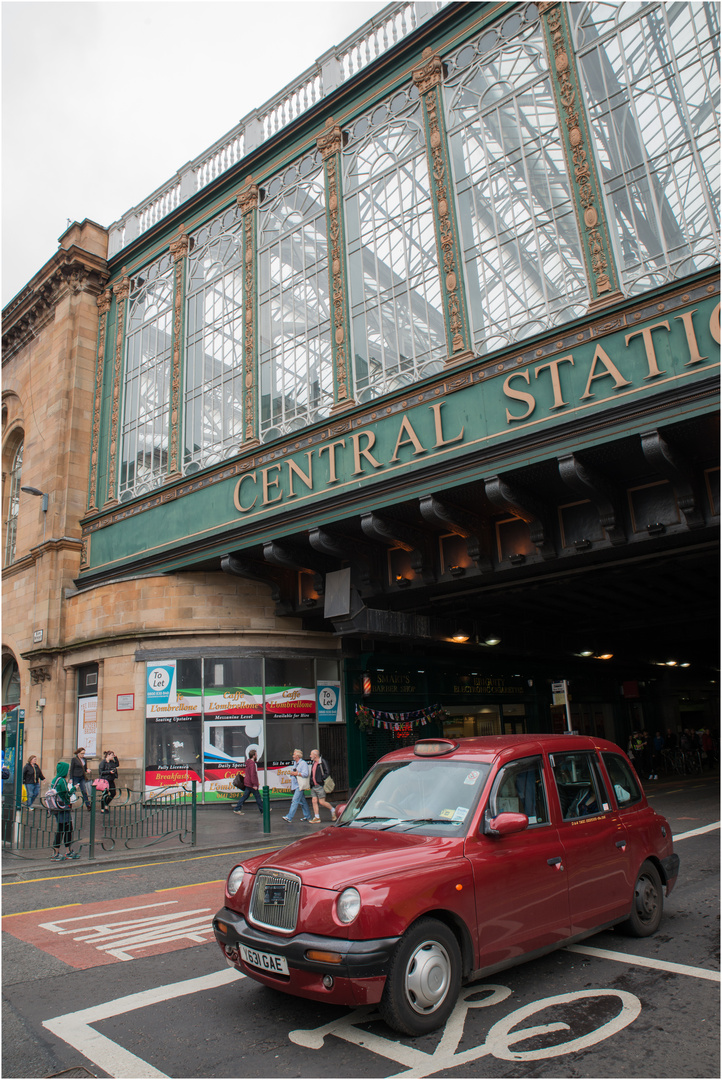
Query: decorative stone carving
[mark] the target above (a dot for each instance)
(428, 79)
(598, 256)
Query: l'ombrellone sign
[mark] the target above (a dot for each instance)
(636, 369)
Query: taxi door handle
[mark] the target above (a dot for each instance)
(621, 844)
(556, 862)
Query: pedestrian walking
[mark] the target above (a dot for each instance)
(63, 815)
(320, 773)
(108, 770)
(299, 787)
(32, 775)
(250, 780)
(80, 775)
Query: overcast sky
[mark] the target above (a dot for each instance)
(104, 101)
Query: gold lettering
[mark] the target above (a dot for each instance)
(714, 326)
(267, 484)
(358, 452)
(553, 366)
(646, 333)
(695, 358)
(609, 370)
(294, 468)
(519, 395)
(440, 440)
(412, 438)
(331, 451)
(237, 494)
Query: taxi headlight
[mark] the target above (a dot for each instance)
(235, 879)
(348, 905)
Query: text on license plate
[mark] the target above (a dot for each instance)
(275, 965)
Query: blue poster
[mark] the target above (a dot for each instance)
(329, 702)
(161, 688)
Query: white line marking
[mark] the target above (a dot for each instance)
(697, 832)
(643, 961)
(74, 1028)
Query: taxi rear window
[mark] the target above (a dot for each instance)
(624, 783)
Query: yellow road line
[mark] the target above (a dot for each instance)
(143, 866)
(37, 911)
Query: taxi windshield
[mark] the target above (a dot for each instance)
(432, 797)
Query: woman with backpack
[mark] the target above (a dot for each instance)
(63, 815)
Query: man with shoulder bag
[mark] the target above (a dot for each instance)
(321, 786)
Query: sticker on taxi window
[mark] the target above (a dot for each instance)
(472, 777)
(454, 815)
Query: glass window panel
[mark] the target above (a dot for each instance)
(294, 318)
(651, 79)
(397, 317)
(144, 426)
(11, 524)
(214, 343)
(522, 254)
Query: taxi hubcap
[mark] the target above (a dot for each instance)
(646, 895)
(427, 976)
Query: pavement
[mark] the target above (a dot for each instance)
(217, 829)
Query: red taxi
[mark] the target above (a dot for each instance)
(452, 860)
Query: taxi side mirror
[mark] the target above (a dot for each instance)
(505, 824)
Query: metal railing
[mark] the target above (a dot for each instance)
(133, 819)
(330, 71)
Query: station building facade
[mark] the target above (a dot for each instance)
(396, 413)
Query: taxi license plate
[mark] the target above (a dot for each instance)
(274, 965)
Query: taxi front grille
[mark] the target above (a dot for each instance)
(275, 898)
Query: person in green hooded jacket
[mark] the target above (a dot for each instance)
(63, 817)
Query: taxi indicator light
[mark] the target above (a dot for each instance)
(324, 957)
(434, 747)
(459, 888)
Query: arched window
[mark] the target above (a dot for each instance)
(11, 523)
(11, 683)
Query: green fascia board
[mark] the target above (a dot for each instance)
(494, 415)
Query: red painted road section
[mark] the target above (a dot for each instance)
(115, 931)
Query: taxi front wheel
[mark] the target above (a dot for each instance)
(647, 903)
(424, 979)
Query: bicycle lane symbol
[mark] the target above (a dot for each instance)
(499, 1042)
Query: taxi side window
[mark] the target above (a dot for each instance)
(624, 783)
(520, 788)
(579, 785)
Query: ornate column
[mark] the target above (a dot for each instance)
(330, 144)
(179, 251)
(428, 79)
(104, 301)
(122, 292)
(247, 199)
(598, 252)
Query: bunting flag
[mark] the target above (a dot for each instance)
(394, 721)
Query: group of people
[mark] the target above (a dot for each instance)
(304, 777)
(646, 750)
(71, 777)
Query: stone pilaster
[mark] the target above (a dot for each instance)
(248, 205)
(104, 302)
(179, 251)
(599, 262)
(122, 292)
(330, 143)
(428, 79)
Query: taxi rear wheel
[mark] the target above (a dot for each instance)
(424, 979)
(647, 903)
